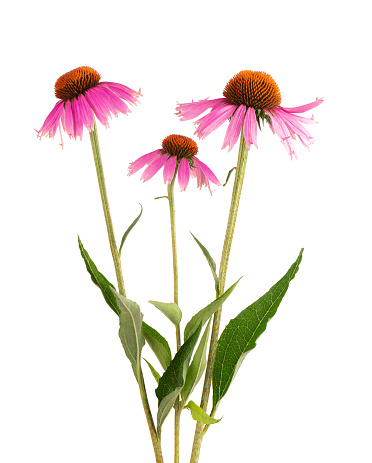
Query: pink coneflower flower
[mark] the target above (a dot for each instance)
(82, 96)
(250, 97)
(177, 152)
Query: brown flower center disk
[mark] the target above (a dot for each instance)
(180, 146)
(74, 83)
(254, 89)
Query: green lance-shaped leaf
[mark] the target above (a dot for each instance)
(173, 379)
(158, 344)
(240, 335)
(98, 279)
(211, 264)
(129, 229)
(170, 310)
(130, 331)
(155, 374)
(198, 414)
(197, 366)
(204, 314)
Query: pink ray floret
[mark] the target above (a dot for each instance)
(103, 100)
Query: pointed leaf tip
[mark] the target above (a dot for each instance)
(211, 264)
(204, 314)
(170, 310)
(129, 229)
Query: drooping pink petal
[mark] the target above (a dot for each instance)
(98, 106)
(52, 121)
(200, 178)
(306, 107)
(203, 175)
(123, 91)
(118, 105)
(250, 128)
(295, 117)
(235, 127)
(169, 168)
(78, 122)
(105, 100)
(218, 115)
(68, 120)
(183, 174)
(206, 171)
(143, 160)
(187, 111)
(153, 168)
(282, 130)
(86, 113)
(294, 125)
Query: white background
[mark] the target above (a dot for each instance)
(67, 389)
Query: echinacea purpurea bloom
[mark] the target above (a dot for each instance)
(82, 96)
(177, 150)
(250, 97)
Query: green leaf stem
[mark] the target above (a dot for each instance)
(240, 335)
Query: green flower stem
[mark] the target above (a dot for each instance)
(106, 208)
(177, 408)
(173, 233)
(235, 198)
(119, 275)
(154, 436)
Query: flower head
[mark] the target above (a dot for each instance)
(250, 97)
(177, 152)
(81, 97)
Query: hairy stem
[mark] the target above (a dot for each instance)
(154, 436)
(106, 208)
(234, 206)
(172, 214)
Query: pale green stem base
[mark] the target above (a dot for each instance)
(154, 436)
(106, 208)
(235, 198)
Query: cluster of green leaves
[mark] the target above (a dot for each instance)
(183, 371)
(180, 373)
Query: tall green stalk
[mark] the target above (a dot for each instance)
(234, 206)
(119, 276)
(172, 212)
(106, 208)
